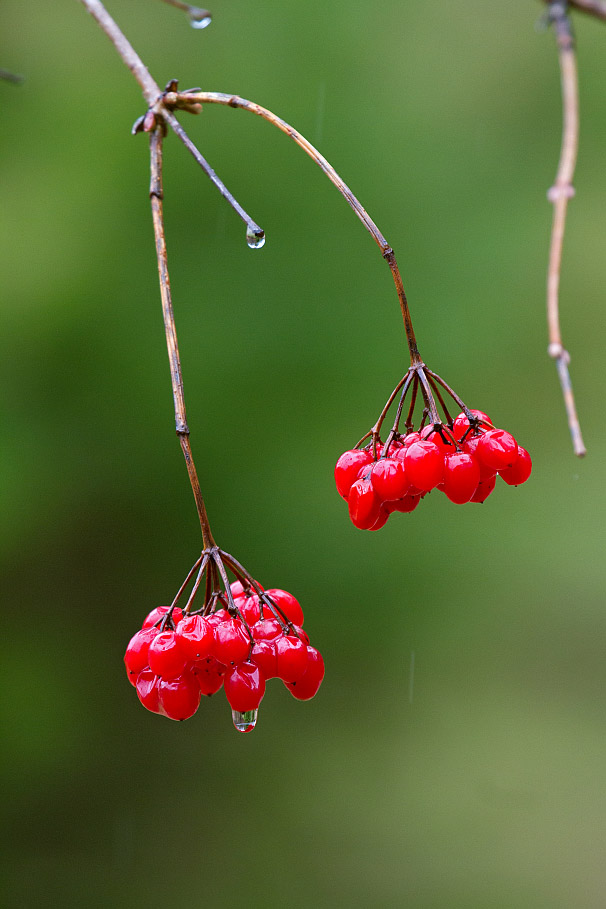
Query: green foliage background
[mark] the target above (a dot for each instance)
(481, 784)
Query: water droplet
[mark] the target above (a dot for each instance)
(199, 18)
(255, 237)
(245, 722)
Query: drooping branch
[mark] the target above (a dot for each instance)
(559, 194)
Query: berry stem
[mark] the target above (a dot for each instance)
(267, 115)
(156, 196)
(203, 559)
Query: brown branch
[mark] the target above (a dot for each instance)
(386, 250)
(595, 8)
(559, 195)
(156, 195)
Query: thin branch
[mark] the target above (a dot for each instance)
(253, 231)
(559, 194)
(386, 250)
(156, 195)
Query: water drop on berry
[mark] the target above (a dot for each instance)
(199, 18)
(255, 238)
(244, 722)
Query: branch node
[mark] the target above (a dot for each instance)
(560, 191)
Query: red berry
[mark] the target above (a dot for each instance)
(485, 487)
(301, 633)
(389, 479)
(264, 656)
(135, 658)
(232, 643)
(157, 614)
(288, 604)
(381, 520)
(461, 477)
(461, 423)
(268, 629)
(209, 675)
(179, 698)
(165, 657)
(238, 590)
(347, 469)
(519, 472)
(497, 448)
(244, 687)
(147, 690)
(195, 636)
(364, 504)
(249, 609)
(470, 445)
(424, 464)
(307, 686)
(291, 653)
(444, 444)
(405, 505)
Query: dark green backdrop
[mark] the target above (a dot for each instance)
(481, 784)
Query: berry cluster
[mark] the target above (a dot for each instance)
(248, 637)
(462, 458)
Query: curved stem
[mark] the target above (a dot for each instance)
(595, 8)
(156, 195)
(559, 194)
(263, 112)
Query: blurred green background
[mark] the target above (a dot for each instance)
(454, 756)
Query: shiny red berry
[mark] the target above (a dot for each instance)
(165, 656)
(445, 445)
(347, 469)
(209, 675)
(497, 448)
(147, 690)
(264, 656)
(364, 504)
(461, 477)
(485, 487)
(307, 686)
(470, 445)
(519, 472)
(461, 423)
(135, 658)
(195, 636)
(424, 464)
(404, 505)
(291, 655)
(381, 520)
(232, 643)
(179, 698)
(157, 614)
(244, 687)
(389, 479)
(287, 603)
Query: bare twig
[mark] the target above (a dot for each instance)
(559, 194)
(386, 250)
(156, 193)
